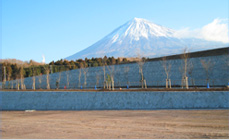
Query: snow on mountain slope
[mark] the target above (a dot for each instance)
(140, 35)
(137, 28)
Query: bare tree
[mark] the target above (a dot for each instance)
(39, 80)
(59, 78)
(9, 71)
(167, 67)
(104, 76)
(190, 70)
(79, 77)
(141, 62)
(85, 70)
(67, 78)
(104, 71)
(184, 68)
(108, 82)
(47, 76)
(34, 86)
(12, 85)
(18, 84)
(208, 66)
(111, 70)
(21, 71)
(4, 79)
(34, 80)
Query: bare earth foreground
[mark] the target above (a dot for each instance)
(115, 124)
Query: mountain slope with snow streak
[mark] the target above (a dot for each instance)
(144, 37)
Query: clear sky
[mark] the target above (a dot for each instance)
(60, 28)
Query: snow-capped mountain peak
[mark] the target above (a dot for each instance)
(140, 28)
(139, 34)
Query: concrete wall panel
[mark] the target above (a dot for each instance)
(49, 100)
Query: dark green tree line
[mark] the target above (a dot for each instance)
(15, 71)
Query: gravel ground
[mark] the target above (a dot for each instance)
(152, 124)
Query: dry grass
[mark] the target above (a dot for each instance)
(152, 124)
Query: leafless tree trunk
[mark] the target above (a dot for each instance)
(79, 84)
(4, 79)
(12, 86)
(34, 80)
(190, 70)
(207, 65)
(67, 76)
(104, 72)
(111, 70)
(8, 76)
(18, 85)
(112, 83)
(167, 67)
(104, 76)
(184, 68)
(85, 70)
(22, 77)
(141, 63)
(108, 82)
(141, 73)
(8, 79)
(39, 80)
(47, 76)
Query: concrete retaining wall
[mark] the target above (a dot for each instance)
(153, 72)
(49, 100)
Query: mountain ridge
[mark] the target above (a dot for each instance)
(144, 37)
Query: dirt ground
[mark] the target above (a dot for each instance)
(151, 124)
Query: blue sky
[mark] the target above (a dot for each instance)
(60, 28)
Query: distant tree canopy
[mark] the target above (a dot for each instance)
(14, 70)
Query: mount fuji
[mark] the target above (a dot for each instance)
(144, 37)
